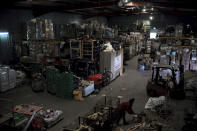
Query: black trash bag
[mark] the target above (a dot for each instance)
(38, 86)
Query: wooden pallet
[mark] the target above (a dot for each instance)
(43, 41)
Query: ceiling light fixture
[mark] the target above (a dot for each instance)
(130, 4)
(151, 17)
(130, 8)
(3, 33)
(144, 10)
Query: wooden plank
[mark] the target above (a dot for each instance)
(173, 37)
(87, 54)
(187, 46)
(27, 109)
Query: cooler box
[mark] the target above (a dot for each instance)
(89, 89)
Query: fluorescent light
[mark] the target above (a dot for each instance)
(130, 8)
(3, 33)
(153, 35)
(130, 4)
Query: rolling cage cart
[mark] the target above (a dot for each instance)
(102, 117)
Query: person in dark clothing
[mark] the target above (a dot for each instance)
(123, 108)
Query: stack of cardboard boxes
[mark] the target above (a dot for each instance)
(40, 29)
(7, 79)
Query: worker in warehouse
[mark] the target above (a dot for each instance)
(123, 108)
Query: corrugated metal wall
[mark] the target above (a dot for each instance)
(12, 21)
(5, 49)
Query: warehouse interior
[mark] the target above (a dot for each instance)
(98, 65)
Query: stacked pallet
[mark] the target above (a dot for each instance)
(4, 84)
(44, 48)
(40, 29)
(7, 79)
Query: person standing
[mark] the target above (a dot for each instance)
(123, 108)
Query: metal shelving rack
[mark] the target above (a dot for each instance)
(75, 49)
(88, 49)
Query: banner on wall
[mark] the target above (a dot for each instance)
(117, 63)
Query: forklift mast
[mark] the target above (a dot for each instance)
(155, 77)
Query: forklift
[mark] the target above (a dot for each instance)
(171, 85)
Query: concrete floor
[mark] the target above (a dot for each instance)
(131, 84)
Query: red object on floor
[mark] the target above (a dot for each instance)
(97, 78)
(38, 124)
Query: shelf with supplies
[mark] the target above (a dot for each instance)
(75, 49)
(90, 49)
(49, 48)
(192, 47)
(44, 41)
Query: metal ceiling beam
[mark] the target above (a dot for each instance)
(70, 6)
(174, 5)
(120, 13)
(166, 4)
(177, 12)
(95, 5)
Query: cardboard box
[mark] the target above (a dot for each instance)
(78, 95)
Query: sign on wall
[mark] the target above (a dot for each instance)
(117, 63)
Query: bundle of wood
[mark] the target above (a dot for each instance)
(96, 116)
(83, 127)
(144, 126)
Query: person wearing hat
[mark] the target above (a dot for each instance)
(123, 108)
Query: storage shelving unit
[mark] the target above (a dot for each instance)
(75, 49)
(89, 49)
(49, 48)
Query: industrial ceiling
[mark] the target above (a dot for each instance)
(91, 8)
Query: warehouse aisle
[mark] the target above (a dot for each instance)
(131, 84)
